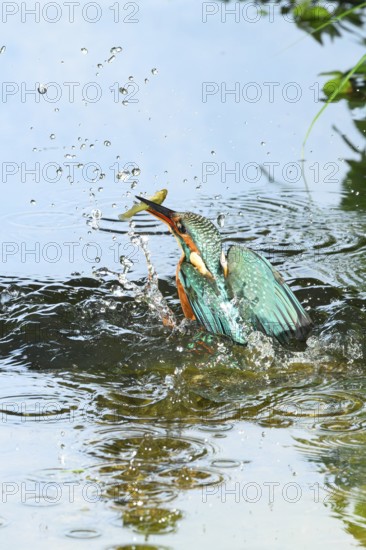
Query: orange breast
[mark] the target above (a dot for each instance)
(186, 306)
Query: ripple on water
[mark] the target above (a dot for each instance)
(54, 221)
(83, 533)
(150, 520)
(317, 404)
(147, 448)
(44, 496)
(57, 475)
(185, 478)
(137, 491)
(144, 467)
(135, 398)
(340, 458)
(336, 447)
(224, 463)
(49, 407)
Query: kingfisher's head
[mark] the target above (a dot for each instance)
(199, 239)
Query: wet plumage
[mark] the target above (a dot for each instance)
(230, 294)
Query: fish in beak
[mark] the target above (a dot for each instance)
(161, 212)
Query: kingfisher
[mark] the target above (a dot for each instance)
(230, 294)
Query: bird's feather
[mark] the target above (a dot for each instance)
(264, 299)
(211, 304)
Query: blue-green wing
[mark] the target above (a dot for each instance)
(264, 298)
(211, 305)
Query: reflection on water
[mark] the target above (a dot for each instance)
(151, 407)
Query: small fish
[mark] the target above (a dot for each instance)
(158, 198)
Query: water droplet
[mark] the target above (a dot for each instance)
(133, 184)
(146, 80)
(136, 171)
(123, 175)
(42, 89)
(263, 143)
(130, 78)
(154, 71)
(96, 214)
(52, 136)
(84, 51)
(3, 49)
(125, 102)
(59, 170)
(107, 143)
(116, 49)
(111, 59)
(100, 189)
(213, 153)
(221, 220)
(99, 66)
(123, 91)
(57, 110)
(33, 201)
(125, 263)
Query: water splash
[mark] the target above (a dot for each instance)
(152, 295)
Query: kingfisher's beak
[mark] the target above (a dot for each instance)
(161, 212)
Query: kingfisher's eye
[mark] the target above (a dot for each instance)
(181, 228)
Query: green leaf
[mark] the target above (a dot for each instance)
(342, 88)
(341, 84)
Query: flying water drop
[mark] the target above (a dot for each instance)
(123, 175)
(221, 219)
(116, 49)
(42, 89)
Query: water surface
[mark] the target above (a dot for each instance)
(116, 431)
